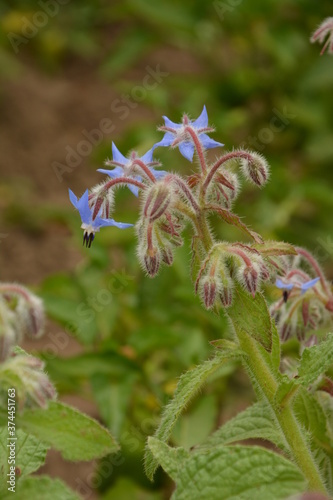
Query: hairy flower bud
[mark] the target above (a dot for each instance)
(152, 260)
(285, 331)
(101, 201)
(255, 168)
(226, 296)
(31, 382)
(7, 332)
(167, 255)
(224, 189)
(209, 291)
(31, 316)
(157, 201)
(250, 277)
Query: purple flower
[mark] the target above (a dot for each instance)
(289, 286)
(177, 135)
(130, 167)
(89, 225)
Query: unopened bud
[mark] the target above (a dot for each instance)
(102, 200)
(33, 384)
(285, 331)
(167, 255)
(152, 260)
(264, 272)
(31, 316)
(157, 201)
(209, 290)
(224, 189)
(255, 168)
(7, 332)
(250, 279)
(226, 296)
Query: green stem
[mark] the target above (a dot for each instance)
(268, 384)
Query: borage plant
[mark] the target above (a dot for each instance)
(31, 418)
(294, 408)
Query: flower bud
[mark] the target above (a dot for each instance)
(250, 279)
(31, 316)
(209, 291)
(224, 189)
(32, 384)
(152, 260)
(102, 200)
(255, 168)
(7, 330)
(264, 272)
(226, 296)
(167, 255)
(157, 201)
(285, 331)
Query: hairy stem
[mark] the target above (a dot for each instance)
(267, 381)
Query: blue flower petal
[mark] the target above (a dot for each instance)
(117, 156)
(99, 222)
(115, 172)
(148, 157)
(209, 143)
(169, 123)
(73, 198)
(134, 189)
(309, 284)
(166, 141)
(187, 150)
(283, 286)
(82, 205)
(159, 174)
(202, 121)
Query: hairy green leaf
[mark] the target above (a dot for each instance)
(189, 384)
(40, 488)
(256, 422)
(75, 435)
(251, 315)
(315, 361)
(229, 473)
(171, 459)
(312, 417)
(30, 454)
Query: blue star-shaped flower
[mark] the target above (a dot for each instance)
(89, 225)
(176, 134)
(129, 167)
(289, 286)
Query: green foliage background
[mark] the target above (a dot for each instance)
(244, 64)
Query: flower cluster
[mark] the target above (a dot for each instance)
(306, 304)
(22, 314)
(170, 201)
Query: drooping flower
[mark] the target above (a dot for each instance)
(89, 225)
(325, 29)
(134, 167)
(303, 287)
(177, 134)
